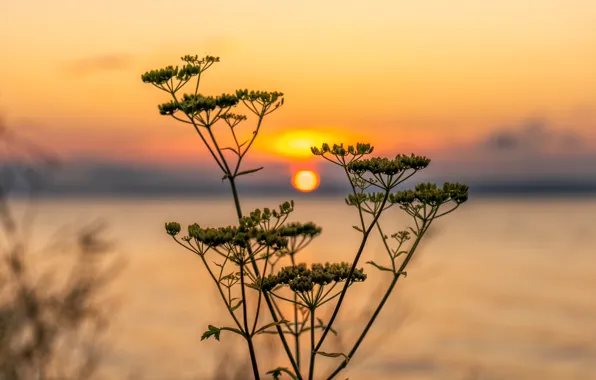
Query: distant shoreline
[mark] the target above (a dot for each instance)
(476, 191)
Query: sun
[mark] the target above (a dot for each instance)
(305, 180)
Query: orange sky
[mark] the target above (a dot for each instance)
(398, 74)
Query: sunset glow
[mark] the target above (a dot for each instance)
(305, 180)
(297, 143)
(455, 72)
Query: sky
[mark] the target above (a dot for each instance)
(498, 89)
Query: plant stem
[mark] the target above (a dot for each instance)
(313, 354)
(254, 327)
(265, 294)
(296, 334)
(223, 297)
(345, 288)
(383, 301)
(251, 349)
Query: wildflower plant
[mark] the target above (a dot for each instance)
(254, 264)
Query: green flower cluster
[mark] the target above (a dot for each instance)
(339, 150)
(194, 59)
(235, 236)
(381, 165)
(360, 198)
(196, 103)
(263, 97)
(243, 235)
(257, 216)
(301, 279)
(233, 116)
(428, 193)
(193, 67)
(173, 228)
(215, 237)
(401, 236)
(309, 230)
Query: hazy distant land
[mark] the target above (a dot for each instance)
(106, 179)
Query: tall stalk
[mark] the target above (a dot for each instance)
(313, 352)
(296, 333)
(265, 295)
(377, 311)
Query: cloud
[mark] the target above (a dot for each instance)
(532, 137)
(98, 63)
(533, 154)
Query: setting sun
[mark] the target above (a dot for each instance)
(305, 180)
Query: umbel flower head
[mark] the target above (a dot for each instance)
(173, 228)
(309, 230)
(193, 66)
(235, 236)
(428, 193)
(251, 230)
(302, 279)
(257, 216)
(381, 165)
(339, 150)
(193, 104)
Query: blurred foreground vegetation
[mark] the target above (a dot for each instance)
(52, 315)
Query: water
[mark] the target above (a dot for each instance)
(501, 289)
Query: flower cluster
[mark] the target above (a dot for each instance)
(215, 237)
(339, 150)
(257, 217)
(193, 67)
(173, 228)
(360, 198)
(301, 279)
(242, 236)
(235, 236)
(196, 103)
(160, 76)
(309, 230)
(428, 193)
(262, 97)
(381, 165)
(232, 119)
(195, 61)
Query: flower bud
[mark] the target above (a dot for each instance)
(173, 228)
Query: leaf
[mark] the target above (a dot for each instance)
(397, 254)
(216, 331)
(249, 171)
(414, 232)
(334, 355)
(276, 373)
(379, 267)
(262, 329)
(323, 326)
(233, 308)
(357, 228)
(232, 149)
(211, 332)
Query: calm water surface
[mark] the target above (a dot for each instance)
(501, 289)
